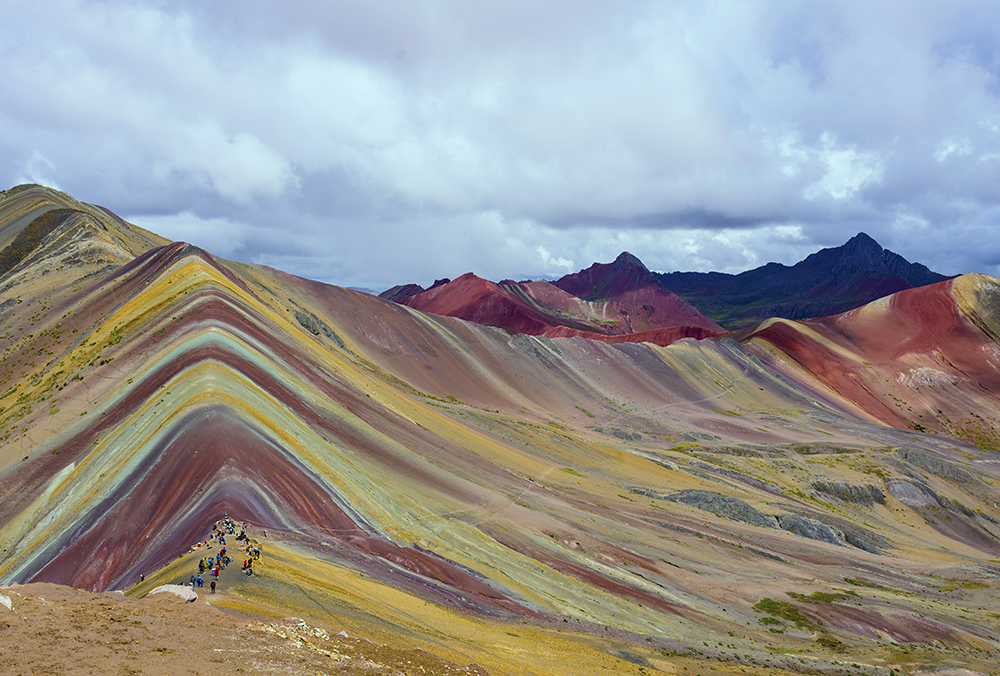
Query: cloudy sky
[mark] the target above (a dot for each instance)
(375, 142)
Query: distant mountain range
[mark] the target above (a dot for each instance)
(617, 302)
(625, 301)
(828, 282)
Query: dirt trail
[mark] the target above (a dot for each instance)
(52, 629)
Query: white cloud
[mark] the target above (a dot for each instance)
(553, 265)
(846, 170)
(237, 167)
(38, 169)
(958, 147)
(689, 133)
(219, 236)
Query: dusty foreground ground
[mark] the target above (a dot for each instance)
(52, 629)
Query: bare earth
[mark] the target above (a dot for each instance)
(53, 629)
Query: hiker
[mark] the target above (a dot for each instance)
(201, 582)
(213, 586)
(192, 582)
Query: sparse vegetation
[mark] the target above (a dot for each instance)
(29, 238)
(786, 611)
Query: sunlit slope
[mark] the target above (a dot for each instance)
(592, 420)
(926, 359)
(448, 482)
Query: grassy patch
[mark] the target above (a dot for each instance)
(831, 643)
(864, 583)
(821, 597)
(786, 611)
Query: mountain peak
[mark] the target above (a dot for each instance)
(861, 256)
(602, 281)
(863, 245)
(862, 239)
(627, 259)
(828, 282)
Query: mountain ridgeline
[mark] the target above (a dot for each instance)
(585, 477)
(624, 298)
(828, 282)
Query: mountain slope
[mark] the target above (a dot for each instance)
(530, 504)
(615, 300)
(918, 359)
(828, 282)
(624, 297)
(605, 281)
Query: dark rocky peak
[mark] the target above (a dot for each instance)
(862, 256)
(861, 243)
(627, 261)
(602, 281)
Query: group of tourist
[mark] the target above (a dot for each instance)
(215, 564)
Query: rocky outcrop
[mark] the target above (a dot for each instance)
(937, 466)
(814, 526)
(861, 494)
(847, 531)
(738, 476)
(911, 493)
(722, 505)
(810, 528)
(315, 326)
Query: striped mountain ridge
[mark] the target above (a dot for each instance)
(532, 504)
(205, 378)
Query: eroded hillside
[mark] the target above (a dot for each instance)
(527, 504)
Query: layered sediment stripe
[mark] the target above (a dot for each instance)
(200, 382)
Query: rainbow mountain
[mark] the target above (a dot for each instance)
(799, 496)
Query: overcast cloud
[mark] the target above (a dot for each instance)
(376, 142)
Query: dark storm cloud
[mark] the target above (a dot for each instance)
(372, 143)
